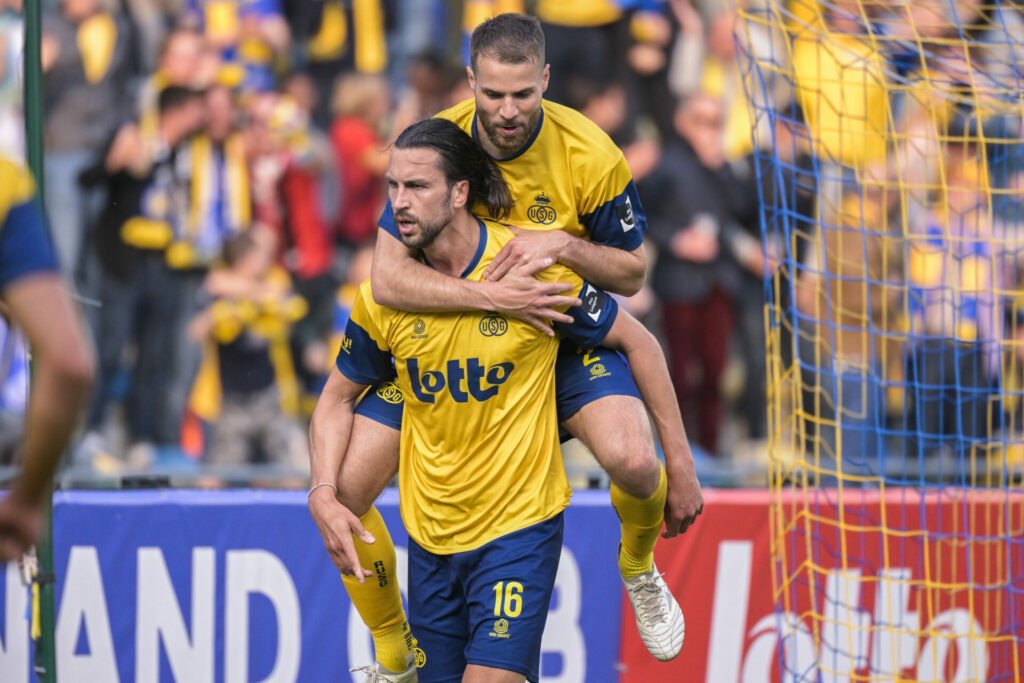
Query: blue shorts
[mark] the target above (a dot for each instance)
(581, 377)
(486, 606)
(383, 403)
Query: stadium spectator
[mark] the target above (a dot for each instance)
(849, 329)
(606, 103)
(697, 275)
(85, 57)
(247, 388)
(345, 37)
(959, 270)
(426, 90)
(153, 21)
(214, 166)
(251, 36)
(306, 247)
(305, 240)
(585, 39)
(360, 103)
(147, 203)
(651, 35)
(35, 297)
(707, 58)
(180, 64)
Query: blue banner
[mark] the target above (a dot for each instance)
(236, 586)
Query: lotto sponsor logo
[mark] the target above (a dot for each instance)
(462, 379)
(830, 603)
(856, 638)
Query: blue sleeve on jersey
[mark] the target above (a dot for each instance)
(620, 222)
(25, 247)
(387, 221)
(361, 360)
(592, 321)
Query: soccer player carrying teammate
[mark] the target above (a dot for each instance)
(481, 481)
(36, 298)
(572, 185)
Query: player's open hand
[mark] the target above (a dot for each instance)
(337, 526)
(683, 503)
(20, 522)
(528, 246)
(518, 294)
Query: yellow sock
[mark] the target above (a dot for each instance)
(379, 599)
(641, 520)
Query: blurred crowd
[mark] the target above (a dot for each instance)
(214, 174)
(895, 214)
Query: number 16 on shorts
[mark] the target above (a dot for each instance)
(508, 604)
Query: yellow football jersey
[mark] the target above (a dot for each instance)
(570, 176)
(480, 455)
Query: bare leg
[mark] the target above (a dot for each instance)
(617, 431)
(371, 461)
(486, 674)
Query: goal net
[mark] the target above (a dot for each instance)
(891, 170)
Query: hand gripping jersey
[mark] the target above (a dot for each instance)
(570, 176)
(479, 456)
(25, 246)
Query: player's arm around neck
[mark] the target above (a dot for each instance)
(329, 431)
(402, 282)
(609, 268)
(650, 371)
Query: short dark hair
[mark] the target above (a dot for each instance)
(175, 97)
(462, 159)
(509, 38)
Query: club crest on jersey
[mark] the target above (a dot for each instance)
(541, 212)
(390, 392)
(463, 379)
(493, 325)
(626, 217)
(419, 329)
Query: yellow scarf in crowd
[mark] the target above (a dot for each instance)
(182, 253)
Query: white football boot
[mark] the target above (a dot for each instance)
(378, 674)
(658, 617)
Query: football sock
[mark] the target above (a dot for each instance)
(378, 599)
(641, 520)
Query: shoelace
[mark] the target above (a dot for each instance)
(653, 606)
(373, 674)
